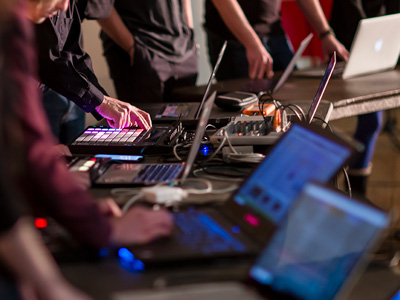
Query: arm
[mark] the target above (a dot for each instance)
(187, 7)
(260, 61)
(23, 252)
(68, 70)
(315, 15)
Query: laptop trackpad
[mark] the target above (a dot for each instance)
(120, 173)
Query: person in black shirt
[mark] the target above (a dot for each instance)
(150, 48)
(66, 68)
(257, 42)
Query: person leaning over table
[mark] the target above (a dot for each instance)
(66, 69)
(27, 269)
(344, 20)
(257, 43)
(42, 176)
(150, 48)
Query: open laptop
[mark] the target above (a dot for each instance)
(375, 48)
(244, 223)
(317, 253)
(256, 130)
(150, 174)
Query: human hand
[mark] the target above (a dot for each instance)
(140, 225)
(62, 150)
(260, 62)
(330, 44)
(120, 114)
(82, 179)
(56, 288)
(109, 207)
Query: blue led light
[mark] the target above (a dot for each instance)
(126, 255)
(204, 149)
(128, 260)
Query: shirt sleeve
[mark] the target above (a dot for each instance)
(63, 64)
(95, 9)
(46, 180)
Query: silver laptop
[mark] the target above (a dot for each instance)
(317, 253)
(375, 48)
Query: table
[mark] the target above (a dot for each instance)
(349, 97)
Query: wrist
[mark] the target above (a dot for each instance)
(325, 33)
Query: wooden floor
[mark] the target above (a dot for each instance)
(384, 183)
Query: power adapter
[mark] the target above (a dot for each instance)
(163, 194)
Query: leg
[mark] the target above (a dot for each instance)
(55, 106)
(280, 49)
(73, 124)
(183, 74)
(367, 131)
(234, 63)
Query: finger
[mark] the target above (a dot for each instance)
(261, 70)
(252, 70)
(142, 123)
(146, 117)
(269, 68)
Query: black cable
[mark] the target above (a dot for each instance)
(325, 123)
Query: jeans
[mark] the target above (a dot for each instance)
(66, 119)
(234, 63)
(368, 128)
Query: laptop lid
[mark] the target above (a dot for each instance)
(198, 136)
(289, 69)
(321, 89)
(273, 85)
(210, 80)
(320, 246)
(305, 152)
(376, 46)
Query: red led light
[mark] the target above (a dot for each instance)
(252, 220)
(40, 223)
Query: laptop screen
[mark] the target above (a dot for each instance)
(318, 246)
(301, 155)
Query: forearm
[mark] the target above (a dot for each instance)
(315, 15)
(115, 28)
(187, 7)
(23, 251)
(234, 18)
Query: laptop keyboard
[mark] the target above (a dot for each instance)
(157, 173)
(109, 136)
(196, 230)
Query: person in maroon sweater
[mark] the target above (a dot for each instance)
(43, 176)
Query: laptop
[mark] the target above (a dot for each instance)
(257, 130)
(244, 223)
(317, 253)
(375, 48)
(150, 174)
(186, 112)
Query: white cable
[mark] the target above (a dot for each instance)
(229, 142)
(217, 150)
(175, 152)
(131, 201)
(207, 183)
